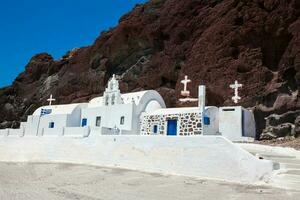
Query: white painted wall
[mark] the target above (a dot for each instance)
(213, 114)
(230, 123)
(32, 125)
(3, 132)
(77, 131)
(60, 121)
(23, 125)
(197, 156)
(16, 132)
(144, 101)
(95, 131)
(110, 116)
(68, 115)
(53, 131)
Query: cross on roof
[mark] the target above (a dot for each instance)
(185, 82)
(51, 100)
(236, 96)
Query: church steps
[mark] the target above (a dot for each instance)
(286, 161)
(290, 166)
(288, 174)
(294, 172)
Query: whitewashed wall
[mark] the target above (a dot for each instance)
(197, 156)
(95, 131)
(32, 125)
(53, 131)
(77, 131)
(213, 114)
(3, 132)
(16, 132)
(230, 123)
(110, 116)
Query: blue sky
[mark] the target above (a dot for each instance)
(28, 27)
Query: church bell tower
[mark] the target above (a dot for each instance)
(112, 94)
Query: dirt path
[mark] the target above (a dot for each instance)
(21, 181)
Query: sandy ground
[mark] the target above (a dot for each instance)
(282, 142)
(24, 181)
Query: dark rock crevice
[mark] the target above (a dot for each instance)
(272, 50)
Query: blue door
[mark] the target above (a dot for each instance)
(172, 127)
(84, 122)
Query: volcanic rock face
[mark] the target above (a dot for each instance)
(214, 42)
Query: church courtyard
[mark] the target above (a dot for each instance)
(31, 181)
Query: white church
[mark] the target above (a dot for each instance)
(139, 113)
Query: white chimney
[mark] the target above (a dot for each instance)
(201, 97)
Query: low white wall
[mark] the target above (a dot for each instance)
(3, 132)
(77, 131)
(124, 132)
(53, 131)
(110, 131)
(95, 131)
(16, 132)
(199, 156)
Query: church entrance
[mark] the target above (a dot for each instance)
(172, 127)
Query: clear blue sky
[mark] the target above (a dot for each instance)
(28, 27)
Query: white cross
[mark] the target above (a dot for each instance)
(51, 100)
(236, 96)
(185, 82)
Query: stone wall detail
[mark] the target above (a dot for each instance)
(188, 124)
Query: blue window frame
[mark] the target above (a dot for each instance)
(206, 121)
(84, 122)
(51, 125)
(155, 129)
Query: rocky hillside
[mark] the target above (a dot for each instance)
(215, 42)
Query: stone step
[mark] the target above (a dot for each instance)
(288, 178)
(271, 155)
(289, 166)
(287, 181)
(294, 172)
(287, 185)
(286, 160)
(275, 156)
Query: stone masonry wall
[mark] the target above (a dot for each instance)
(189, 123)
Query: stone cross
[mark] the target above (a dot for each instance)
(51, 100)
(185, 82)
(236, 96)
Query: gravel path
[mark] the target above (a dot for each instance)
(24, 181)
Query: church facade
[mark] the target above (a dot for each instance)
(138, 113)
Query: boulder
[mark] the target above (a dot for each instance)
(280, 131)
